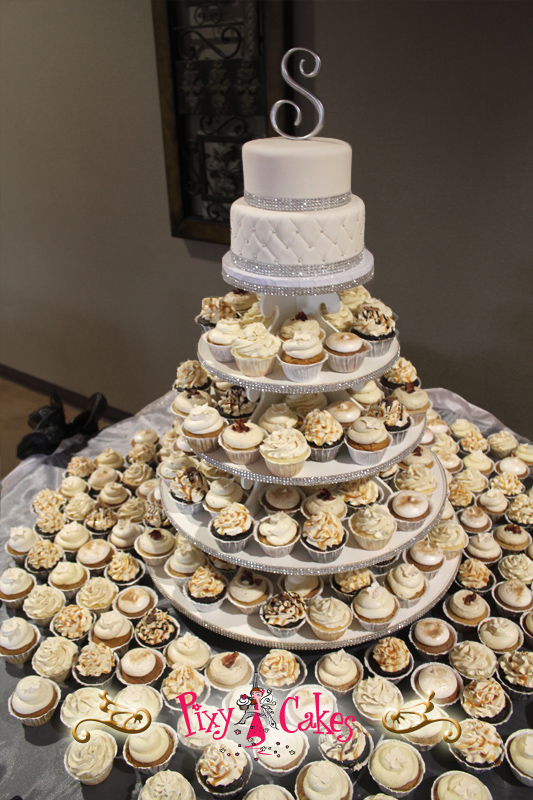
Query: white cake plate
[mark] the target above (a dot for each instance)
(230, 621)
(342, 468)
(196, 529)
(327, 381)
(296, 284)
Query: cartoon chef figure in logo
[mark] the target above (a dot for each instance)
(257, 706)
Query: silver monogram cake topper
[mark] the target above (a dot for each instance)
(296, 86)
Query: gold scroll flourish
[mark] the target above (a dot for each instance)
(114, 710)
(392, 717)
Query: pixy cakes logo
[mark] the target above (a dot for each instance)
(258, 716)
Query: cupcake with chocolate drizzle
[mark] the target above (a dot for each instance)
(189, 489)
(284, 613)
(234, 404)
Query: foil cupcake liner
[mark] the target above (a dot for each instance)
(302, 373)
(205, 608)
(42, 719)
(188, 508)
(302, 677)
(399, 436)
(231, 546)
(275, 551)
(22, 658)
(397, 792)
(527, 780)
(347, 362)
(324, 454)
(282, 633)
(366, 458)
(255, 367)
(326, 556)
(126, 584)
(339, 693)
(249, 610)
(153, 770)
(392, 678)
(101, 776)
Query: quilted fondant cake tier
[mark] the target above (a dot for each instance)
(298, 238)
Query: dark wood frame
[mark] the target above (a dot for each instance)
(277, 33)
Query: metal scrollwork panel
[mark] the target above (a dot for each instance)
(218, 68)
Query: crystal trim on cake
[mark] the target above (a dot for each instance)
(300, 270)
(296, 204)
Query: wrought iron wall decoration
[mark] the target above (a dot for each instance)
(218, 71)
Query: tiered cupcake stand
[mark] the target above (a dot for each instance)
(281, 302)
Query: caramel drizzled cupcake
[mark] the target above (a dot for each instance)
(232, 528)
(347, 584)
(474, 575)
(49, 522)
(323, 434)
(394, 416)
(389, 658)
(515, 671)
(223, 769)
(281, 669)
(189, 489)
(284, 613)
(206, 589)
(95, 666)
(486, 700)
(73, 622)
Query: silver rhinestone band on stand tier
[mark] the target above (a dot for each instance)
(295, 203)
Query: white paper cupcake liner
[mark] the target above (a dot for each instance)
(326, 556)
(159, 767)
(302, 373)
(249, 610)
(202, 444)
(302, 677)
(284, 469)
(325, 454)
(241, 456)
(527, 780)
(36, 722)
(22, 658)
(339, 693)
(437, 702)
(505, 611)
(255, 367)
(366, 458)
(101, 776)
(155, 560)
(347, 362)
(396, 792)
(375, 626)
(220, 352)
(392, 678)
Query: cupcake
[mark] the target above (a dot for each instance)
(226, 671)
(206, 589)
(189, 489)
(285, 452)
(223, 769)
(154, 546)
(516, 567)
(339, 672)
(241, 440)
(502, 443)
(518, 749)
(320, 779)
(81, 704)
(302, 404)
(341, 320)
(136, 474)
(366, 395)
(407, 583)
(107, 458)
(300, 323)
(97, 595)
(485, 700)
(222, 337)
(100, 477)
(95, 665)
(156, 629)
(202, 428)
(135, 601)
(329, 618)
(453, 784)
(372, 527)
(291, 747)
(255, 350)
(113, 495)
(373, 696)
(100, 521)
(472, 479)
(450, 537)
(345, 351)
(429, 735)
(138, 696)
(353, 297)
(374, 607)
(191, 375)
(512, 598)
(305, 586)
(515, 671)
(347, 584)
(240, 300)
(479, 746)
(282, 498)
(183, 679)
(213, 310)
(114, 630)
(151, 751)
(15, 586)
(344, 411)
(248, 590)
(514, 466)
(520, 511)
(232, 528)
(480, 461)
(18, 640)
(401, 374)
(167, 784)
(68, 577)
(233, 403)
(281, 669)
(500, 634)
(80, 466)
(409, 509)
(473, 660)
(54, 658)
(420, 455)
(46, 499)
(124, 570)
(21, 539)
(433, 638)
(323, 434)
(279, 415)
(304, 704)
(73, 622)
(367, 441)
(141, 665)
(360, 492)
(396, 767)
(375, 327)
(512, 538)
(475, 575)
(459, 496)
(42, 603)
(34, 700)
(42, 558)
(416, 478)
(466, 609)
(284, 613)
(426, 556)
(493, 502)
(324, 537)
(324, 500)
(71, 537)
(389, 658)
(443, 681)
(524, 451)
(184, 561)
(394, 416)
(484, 547)
(277, 534)
(95, 555)
(188, 649)
(133, 510)
(222, 492)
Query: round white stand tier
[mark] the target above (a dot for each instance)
(230, 621)
(196, 528)
(298, 284)
(327, 381)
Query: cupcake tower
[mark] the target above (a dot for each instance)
(283, 410)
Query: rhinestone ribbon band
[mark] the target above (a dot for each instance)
(295, 270)
(296, 204)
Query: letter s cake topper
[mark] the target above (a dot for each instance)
(396, 720)
(114, 710)
(296, 86)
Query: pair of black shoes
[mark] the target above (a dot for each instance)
(50, 426)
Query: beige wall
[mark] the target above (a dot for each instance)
(435, 99)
